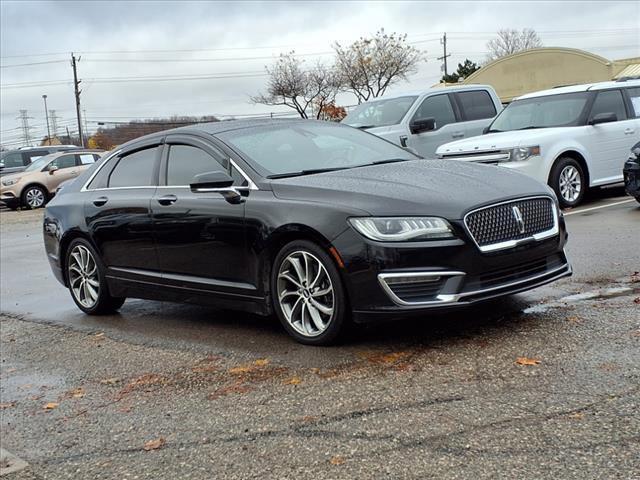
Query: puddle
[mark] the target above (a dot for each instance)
(19, 387)
(579, 297)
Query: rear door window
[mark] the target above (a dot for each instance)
(437, 107)
(65, 161)
(476, 104)
(609, 101)
(634, 95)
(136, 169)
(12, 160)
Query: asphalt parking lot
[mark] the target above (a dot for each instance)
(545, 384)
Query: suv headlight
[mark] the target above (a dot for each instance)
(520, 154)
(402, 229)
(12, 181)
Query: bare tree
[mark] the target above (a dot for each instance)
(369, 66)
(303, 90)
(512, 41)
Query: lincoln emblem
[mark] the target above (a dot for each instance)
(517, 214)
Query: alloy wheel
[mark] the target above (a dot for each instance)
(570, 183)
(305, 293)
(83, 276)
(35, 198)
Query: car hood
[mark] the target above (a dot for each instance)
(499, 141)
(418, 187)
(13, 175)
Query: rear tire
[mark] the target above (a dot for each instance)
(34, 197)
(86, 278)
(308, 295)
(569, 181)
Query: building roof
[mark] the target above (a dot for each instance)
(582, 88)
(632, 70)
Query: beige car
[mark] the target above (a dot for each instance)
(34, 186)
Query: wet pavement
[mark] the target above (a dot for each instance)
(544, 384)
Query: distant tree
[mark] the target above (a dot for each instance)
(464, 70)
(512, 41)
(369, 66)
(332, 112)
(306, 91)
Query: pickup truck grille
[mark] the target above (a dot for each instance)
(503, 225)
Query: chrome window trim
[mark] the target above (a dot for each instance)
(458, 298)
(251, 186)
(513, 243)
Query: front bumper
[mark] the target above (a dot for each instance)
(387, 280)
(631, 174)
(10, 200)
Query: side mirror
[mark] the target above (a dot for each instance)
(607, 117)
(219, 182)
(1, 166)
(422, 125)
(52, 169)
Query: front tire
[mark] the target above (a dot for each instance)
(569, 181)
(308, 294)
(87, 282)
(34, 197)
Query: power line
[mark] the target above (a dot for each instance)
(33, 63)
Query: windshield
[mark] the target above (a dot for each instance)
(380, 113)
(303, 147)
(39, 164)
(541, 112)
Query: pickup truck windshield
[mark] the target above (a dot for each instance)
(379, 113)
(563, 110)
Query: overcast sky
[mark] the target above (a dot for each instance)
(143, 39)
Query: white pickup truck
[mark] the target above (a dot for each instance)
(571, 138)
(426, 119)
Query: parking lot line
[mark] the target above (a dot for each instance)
(573, 212)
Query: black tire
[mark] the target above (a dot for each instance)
(104, 302)
(569, 192)
(34, 192)
(340, 315)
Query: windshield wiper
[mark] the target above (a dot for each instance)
(306, 172)
(365, 127)
(491, 130)
(390, 160)
(530, 127)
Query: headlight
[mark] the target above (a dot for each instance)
(401, 229)
(524, 153)
(10, 182)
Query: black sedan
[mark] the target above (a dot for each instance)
(632, 173)
(321, 223)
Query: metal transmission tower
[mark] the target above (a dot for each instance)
(26, 129)
(54, 122)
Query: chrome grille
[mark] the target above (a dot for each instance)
(496, 224)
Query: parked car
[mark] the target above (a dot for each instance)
(427, 119)
(632, 173)
(13, 161)
(318, 222)
(34, 186)
(572, 138)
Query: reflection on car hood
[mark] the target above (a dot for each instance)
(419, 187)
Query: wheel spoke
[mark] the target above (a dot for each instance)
(295, 263)
(321, 293)
(323, 308)
(289, 278)
(315, 317)
(94, 283)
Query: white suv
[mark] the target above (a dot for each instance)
(426, 119)
(571, 138)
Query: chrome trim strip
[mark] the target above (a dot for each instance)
(458, 298)
(104, 162)
(479, 158)
(513, 243)
(382, 278)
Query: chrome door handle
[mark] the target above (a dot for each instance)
(457, 135)
(167, 200)
(100, 201)
(73, 172)
(629, 131)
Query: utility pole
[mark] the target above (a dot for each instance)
(26, 134)
(54, 122)
(76, 83)
(443, 41)
(46, 114)
(86, 128)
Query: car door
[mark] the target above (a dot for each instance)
(200, 237)
(442, 110)
(12, 162)
(118, 214)
(609, 143)
(66, 168)
(477, 110)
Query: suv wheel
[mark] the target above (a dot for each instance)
(34, 197)
(568, 181)
(307, 293)
(86, 278)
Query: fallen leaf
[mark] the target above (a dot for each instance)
(240, 370)
(97, 337)
(635, 277)
(527, 361)
(7, 405)
(51, 406)
(110, 381)
(237, 387)
(293, 381)
(77, 393)
(337, 460)
(261, 362)
(574, 319)
(576, 415)
(154, 444)
(636, 300)
(635, 334)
